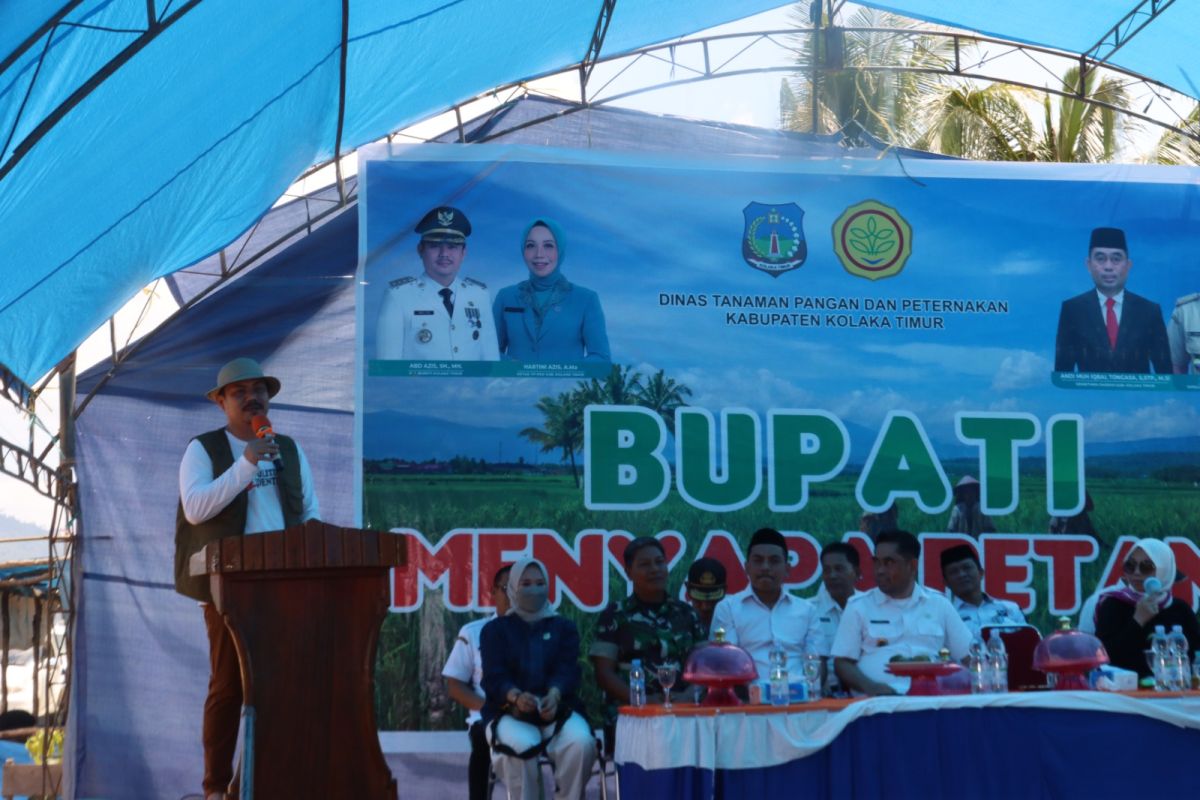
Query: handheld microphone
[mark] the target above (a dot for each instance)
(263, 430)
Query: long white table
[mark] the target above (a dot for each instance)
(855, 748)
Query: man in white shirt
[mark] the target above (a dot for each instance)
(764, 614)
(963, 575)
(839, 573)
(233, 483)
(464, 676)
(438, 315)
(896, 618)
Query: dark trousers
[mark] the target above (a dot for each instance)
(479, 767)
(223, 707)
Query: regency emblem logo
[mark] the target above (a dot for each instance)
(773, 239)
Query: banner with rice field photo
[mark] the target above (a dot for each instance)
(719, 345)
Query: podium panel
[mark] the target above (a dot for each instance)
(305, 607)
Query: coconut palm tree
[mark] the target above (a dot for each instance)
(985, 124)
(1081, 131)
(914, 106)
(877, 102)
(663, 395)
(562, 429)
(1179, 150)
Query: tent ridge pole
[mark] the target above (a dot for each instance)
(341, 117)
(1119, 35)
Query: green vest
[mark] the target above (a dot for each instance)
(231, 520)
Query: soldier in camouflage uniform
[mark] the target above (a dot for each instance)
(648, 625)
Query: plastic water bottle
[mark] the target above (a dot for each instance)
(1161, 658)
(1196, 671)
(1181, 670)
(637, 683)
(779, 677)
(997, 663)
(978, 667)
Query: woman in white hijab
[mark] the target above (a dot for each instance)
(530, 676)
(1127, 615)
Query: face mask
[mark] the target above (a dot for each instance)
(531, 598)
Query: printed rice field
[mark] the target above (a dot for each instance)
(413, 646)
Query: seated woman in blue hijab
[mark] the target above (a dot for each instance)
(530, 676)
(548, 318)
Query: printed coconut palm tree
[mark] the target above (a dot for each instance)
(619, 388)
(562, 428)
(663, 395)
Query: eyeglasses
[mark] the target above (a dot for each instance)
(1143, 567)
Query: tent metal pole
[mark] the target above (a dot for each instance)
(99, 77)
(341, 117)
(66, 413)
(815, 13)
(594, 46)
(1119, 35)
(46, 27)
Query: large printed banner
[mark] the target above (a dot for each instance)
(633, 345)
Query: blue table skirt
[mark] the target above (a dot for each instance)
(1002, 753)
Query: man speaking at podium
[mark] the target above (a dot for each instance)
(239, 479)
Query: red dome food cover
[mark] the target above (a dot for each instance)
(719, 663)
(1069, 650)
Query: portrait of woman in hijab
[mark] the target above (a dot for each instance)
(547, 317)
(530, 678)
(1126, 615)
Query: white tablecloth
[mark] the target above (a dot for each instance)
(734, 739)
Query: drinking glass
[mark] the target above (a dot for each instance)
(812, 676)
(667, 672)
(1156, 669)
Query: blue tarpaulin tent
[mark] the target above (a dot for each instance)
(137, 137)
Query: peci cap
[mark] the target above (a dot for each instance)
(242, 369)
(767, 536)
(1108, 237)
(960, 552)
(444, 224)
(706, 579)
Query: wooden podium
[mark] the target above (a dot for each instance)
(305, 606)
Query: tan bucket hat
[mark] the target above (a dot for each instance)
(242, 369)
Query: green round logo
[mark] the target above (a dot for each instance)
(872, 240)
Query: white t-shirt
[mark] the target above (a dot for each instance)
(749, 624)
(204, 496)
(465, 663)
(876, 627)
